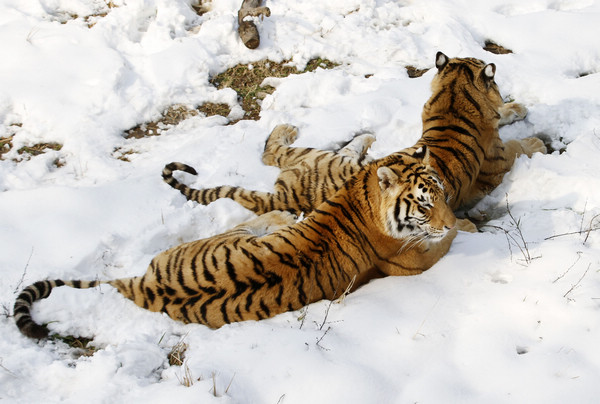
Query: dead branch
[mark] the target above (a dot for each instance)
(246, 27)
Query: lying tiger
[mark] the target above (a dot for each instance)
(393, 217)
(308, 176)
(460, 128)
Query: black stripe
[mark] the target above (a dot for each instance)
(224, 311)
(150, 294)
(203, 307)
(470, 98)
(265, 309)
(462, 159)
(286, 259)
(436, 141)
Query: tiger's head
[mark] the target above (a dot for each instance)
(413, 200)
(468, 74)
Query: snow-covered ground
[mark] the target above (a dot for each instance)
(492, 322)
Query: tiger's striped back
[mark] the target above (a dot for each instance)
(272, 264)
(308, 176)
(460, 129)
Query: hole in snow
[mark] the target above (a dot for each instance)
(521, 350)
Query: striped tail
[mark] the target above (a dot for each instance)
(256, 201)
(167, 175)
(35, 292)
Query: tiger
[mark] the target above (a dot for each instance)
(460, 127)
(393, 217)
(307, 178)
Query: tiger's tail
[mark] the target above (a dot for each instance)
(37, 291)
(256, 201)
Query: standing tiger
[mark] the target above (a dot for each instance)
(272, 264)
(460, 128)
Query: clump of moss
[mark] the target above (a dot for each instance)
(414, 72)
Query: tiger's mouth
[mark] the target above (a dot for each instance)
(436, 234)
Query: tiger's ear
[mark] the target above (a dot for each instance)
(387, 177)
(422, 153)
(441, 60)
(489, 71)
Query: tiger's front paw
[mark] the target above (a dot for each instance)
(358, 147)
(280, 218)
(512, 112)
(466, 225)
(532, 145)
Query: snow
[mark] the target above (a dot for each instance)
(492, 322)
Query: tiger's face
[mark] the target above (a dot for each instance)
(413, 202)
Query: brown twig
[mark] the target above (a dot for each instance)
(572, 265)
(579, 281)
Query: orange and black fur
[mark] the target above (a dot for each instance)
(308, 176)
(460, 128)
(390, 216)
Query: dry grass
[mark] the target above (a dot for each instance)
(90, 19)
(29, 151)
(177, 358)
(6, 141)
(5, 145)
(187, 379)
(39, 148)
(495, 48)
(211, 109)
(173, 116)
(81, 346)
(122, 154)
(246, 80)
(177, 354)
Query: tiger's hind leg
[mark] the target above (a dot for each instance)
(511, 112)
(277, 145)
(499, 163)
(358, 147)
(266, 223)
